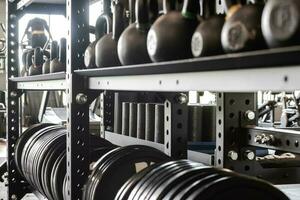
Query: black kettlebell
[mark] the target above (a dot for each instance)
(106, 52)
(242, 29)
(103, 26)
(170, 36)
(46, 65)
(132, 45)
(29, 56)
(38, 60)
(281, 23)
(58, 64)
(206, 40)
(53, 55)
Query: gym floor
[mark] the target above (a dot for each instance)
(293, 191)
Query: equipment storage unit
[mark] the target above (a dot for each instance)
(235, 77)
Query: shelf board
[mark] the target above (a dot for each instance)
(272, 69)
(24, 3)
(55, 81)
(123, 140)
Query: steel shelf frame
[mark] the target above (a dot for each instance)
(275, 70)
(77, 12)
(271, 69)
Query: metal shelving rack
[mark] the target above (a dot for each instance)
(77, 13)
(247, 72)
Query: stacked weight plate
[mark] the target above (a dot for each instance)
(116, 167)
(40, 157)
(189, 180)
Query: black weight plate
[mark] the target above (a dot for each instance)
(38, 152)
(44, 156)
(142, 184)
(44, 164)
(90, 185)
(56, 149)
(59, 171)
(237, 186)
(172, 179)
(65, 189)
(184, 181)
(24, 137)
(113, 175)
(124, 192)
(46, 176)
(181, 181)
(30, 142)
(106, 160)
(197, 185)
(163, 176)
(94, 156)
(25, 162)
(41, 146)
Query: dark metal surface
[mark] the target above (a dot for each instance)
(175, 128)
(77, 111)
(272, 58)
(16, 189)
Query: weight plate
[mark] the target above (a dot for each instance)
(124, 192)
(237, 186)
(165, 186)
(184, 181)
(58, 171)
(118, 166)
(30, 142)
(142, 184)
(23, 139)
(25, 162)
(183, 194)
(163, 176)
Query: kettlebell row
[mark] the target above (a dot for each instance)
(38, 61)
(193, 29)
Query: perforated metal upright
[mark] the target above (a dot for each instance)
(78, 104)
(16, 185)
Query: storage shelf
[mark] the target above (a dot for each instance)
(273, 69)
(25, 3)
(123, 140)
(55, 81)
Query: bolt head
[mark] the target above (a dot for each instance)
(183, 99)
(250, 155)
(250, 115)
(13, 94)
(233, 155)
(81, 98)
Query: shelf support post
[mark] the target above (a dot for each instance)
(78, 98)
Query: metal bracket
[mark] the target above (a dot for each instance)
(234, 110)
(176, 112)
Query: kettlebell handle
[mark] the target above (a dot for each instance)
(54, 50)
(190, 9)
(118, 22)
(146, 11)
(62, 50)
(208, 8)
(38, 57)
(106, 7)
(103, 26)
(169, 5)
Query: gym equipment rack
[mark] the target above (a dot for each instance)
(235, 78)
